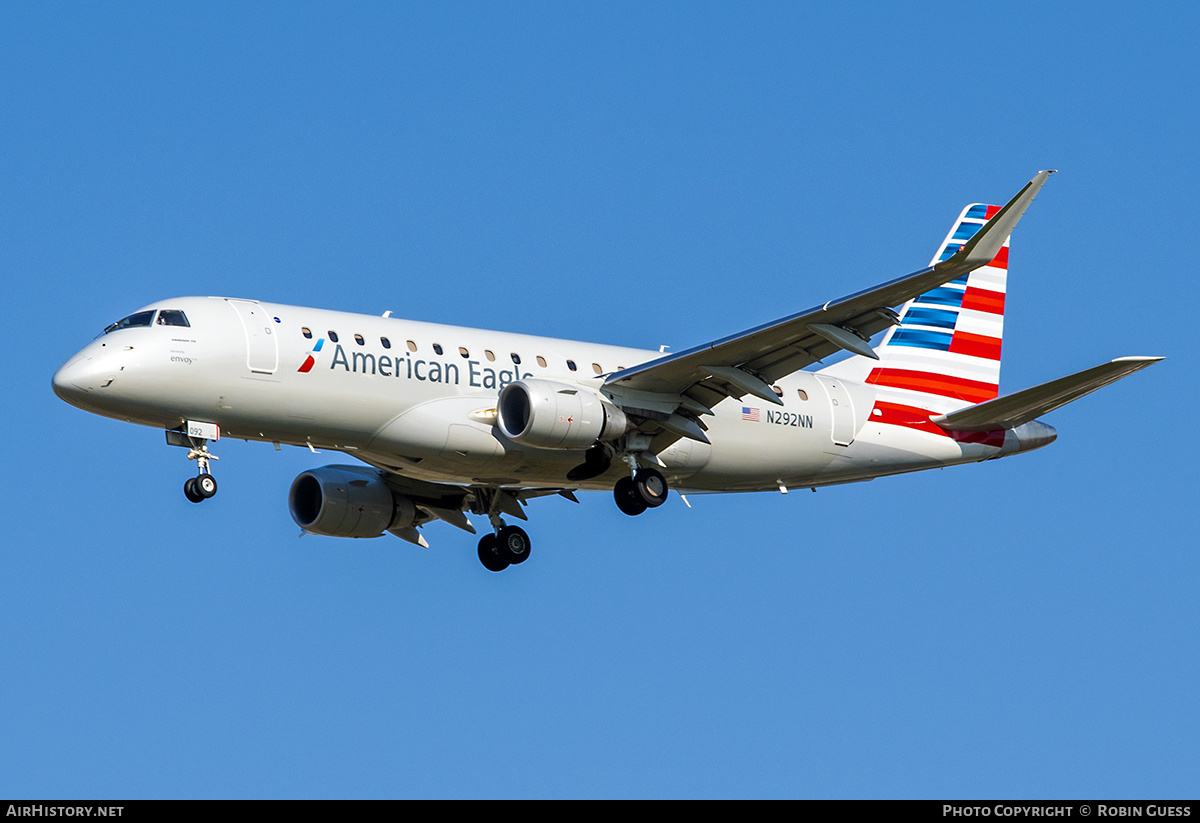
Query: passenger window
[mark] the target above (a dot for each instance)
(596, 368)
(516, 358)
(463, 351)
(307, 332)
(141, 318)
(332, 336)
(411, 345)
(541, 361)
(358, 338)
(803, 394)
(571, 365)
(488, 354)
(387, 344)
(437, 348)
(778, 391)
(172, 317)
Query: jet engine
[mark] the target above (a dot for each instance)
(550, 415)
(347, 501)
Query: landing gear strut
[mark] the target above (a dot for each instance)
(646, 489)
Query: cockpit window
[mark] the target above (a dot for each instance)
(141, 318)
(172, 317)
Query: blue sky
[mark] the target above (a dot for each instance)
(625, 174)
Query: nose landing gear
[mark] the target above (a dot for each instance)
(194, 437)
(203, 486)
(200, 488)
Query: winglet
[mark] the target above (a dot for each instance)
(985, 245)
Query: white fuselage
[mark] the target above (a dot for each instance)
(376, 388)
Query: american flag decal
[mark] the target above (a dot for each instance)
(750, 413)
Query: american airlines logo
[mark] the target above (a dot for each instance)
(311, 360)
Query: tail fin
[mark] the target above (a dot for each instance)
(945, 354)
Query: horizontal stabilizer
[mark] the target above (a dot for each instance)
(1012, 410)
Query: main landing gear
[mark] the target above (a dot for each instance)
(509, 546)
(506, 545)
(646, 489)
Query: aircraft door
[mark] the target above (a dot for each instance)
(262, 344)
(842, 408)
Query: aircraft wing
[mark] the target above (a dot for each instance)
(747, 363)
(1012, 410)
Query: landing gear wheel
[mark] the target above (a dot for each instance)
(189, 491)
(651, 487)
(489, 554)
(205, 485)
(513, 544)
(627, 497)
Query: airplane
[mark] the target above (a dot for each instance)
(451, 421)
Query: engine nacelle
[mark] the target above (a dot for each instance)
(550, 415)
(347, 501)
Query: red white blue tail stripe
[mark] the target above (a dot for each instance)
(945, 354)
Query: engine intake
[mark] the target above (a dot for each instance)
(550, 415)
(347, 501)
